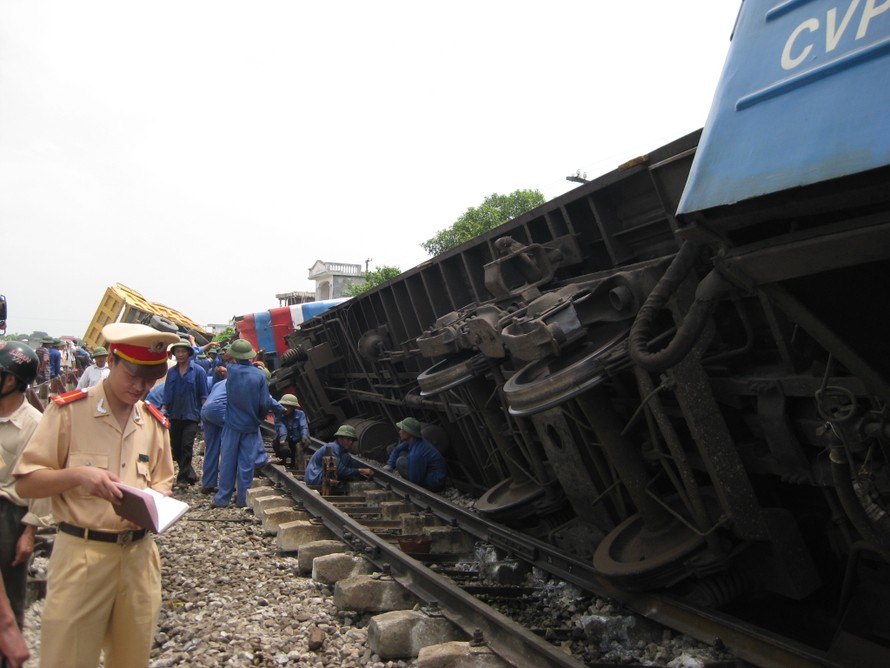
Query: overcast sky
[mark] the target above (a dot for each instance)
(207, 153)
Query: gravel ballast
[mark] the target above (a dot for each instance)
(230, 599)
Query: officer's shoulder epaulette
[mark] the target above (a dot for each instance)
(159, 416)
(69, 397)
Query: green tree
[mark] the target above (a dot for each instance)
(226, 334)
(495, 210)
(374, 277)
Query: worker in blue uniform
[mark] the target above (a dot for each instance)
(247, 405)
(55, 359)
(203, 361)
(291, 431)
(185, 391)
(212, 355)
(217, 371)
(213, 417)
(416, 458)
(347, 469)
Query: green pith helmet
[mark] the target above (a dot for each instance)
(242, 350)
(411, 425)
(289, 400)
(346, 430)
(182, 343)
(47, 340)
(99, 351)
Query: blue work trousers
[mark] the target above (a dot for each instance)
(212, 444)
(262, 457)
(238, 455)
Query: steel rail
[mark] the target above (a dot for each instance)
(508, 639)
(743, 640)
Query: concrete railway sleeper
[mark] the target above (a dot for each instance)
(372, 519)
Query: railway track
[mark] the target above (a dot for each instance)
(357, 521)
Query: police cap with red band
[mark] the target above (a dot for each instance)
(143, 347)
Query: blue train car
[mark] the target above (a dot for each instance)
(803, 100)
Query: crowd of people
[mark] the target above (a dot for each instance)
(57, 357)
(133, 419)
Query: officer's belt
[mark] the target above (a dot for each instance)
(121, 538)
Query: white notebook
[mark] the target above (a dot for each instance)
(149, 509)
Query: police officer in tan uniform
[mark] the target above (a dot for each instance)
(104, 576)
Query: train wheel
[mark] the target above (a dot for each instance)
(508, 501)
(638, 559)
(548, 383)
(450, 373)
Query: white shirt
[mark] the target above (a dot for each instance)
(92, 375)
(15, 430)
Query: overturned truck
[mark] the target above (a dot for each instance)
(123, 304)
(680, 369)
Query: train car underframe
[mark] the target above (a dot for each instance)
(711, 421)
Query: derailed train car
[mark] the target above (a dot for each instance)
(681, 369)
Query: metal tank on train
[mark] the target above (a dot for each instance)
(680, 369)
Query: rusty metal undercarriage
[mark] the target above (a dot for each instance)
(691, 411)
